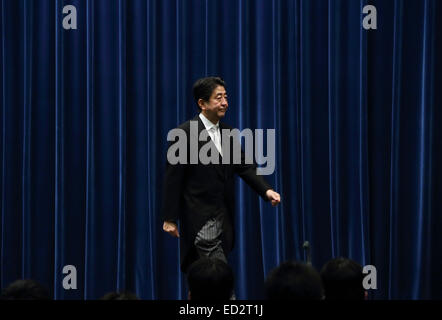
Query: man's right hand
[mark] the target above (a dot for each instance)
(171, 228)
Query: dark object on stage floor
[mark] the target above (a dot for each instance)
(294, 281)
(342, 279)
(25, 290)
(210, 279)
(119, 296)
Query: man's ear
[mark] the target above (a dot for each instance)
(201, 104)
(365, 295)
(189, 296)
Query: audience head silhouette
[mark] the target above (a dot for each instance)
(293, 281)
(210, 279)
(342, 279)
(25, 290)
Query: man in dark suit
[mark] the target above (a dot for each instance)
(201, 196)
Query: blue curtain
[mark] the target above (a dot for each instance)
(85, 115)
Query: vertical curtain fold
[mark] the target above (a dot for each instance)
(332, 103)
(27, 109)
(151, 87)
(362, 254)
(2, 140)
(59, 240)
(121, 269)
(395, 119)
(426, 153)
(90, 189)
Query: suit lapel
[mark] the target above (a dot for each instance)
(219, 168)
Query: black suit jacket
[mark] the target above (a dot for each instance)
(194, 193)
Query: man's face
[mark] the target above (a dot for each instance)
(216, 107)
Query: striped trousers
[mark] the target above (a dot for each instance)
(208, 240)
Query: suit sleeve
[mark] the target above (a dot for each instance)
(247, 172)
(172, 191)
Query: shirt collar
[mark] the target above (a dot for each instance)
(207, 123)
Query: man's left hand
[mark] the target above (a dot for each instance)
(273, 196)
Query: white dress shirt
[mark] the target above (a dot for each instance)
(214, 132)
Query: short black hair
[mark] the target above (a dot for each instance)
(203, 88)
(25, 289)
(119, 296)
(210, 279)
(293, 281)
(342, 279)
